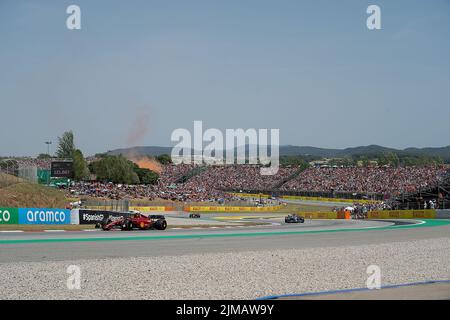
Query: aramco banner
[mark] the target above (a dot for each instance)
(43, 216)
(9, 216)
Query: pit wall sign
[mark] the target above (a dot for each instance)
(9, 216)
(43, 216)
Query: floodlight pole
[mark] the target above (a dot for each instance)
(48, 143)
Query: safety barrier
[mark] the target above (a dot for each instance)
(443, 214)
(34, 216)
(256, 195)
(231, 209)
(9, 216)
(319, 215)
(138, 208)
(86, 216)
(83, 216)
(151, 208)
(250, 195)
(402, 214)
(96, 207)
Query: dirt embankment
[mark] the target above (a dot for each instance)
(28, 195)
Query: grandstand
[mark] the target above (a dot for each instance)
(375, 180)
(195, 171)
(406, 187)
(436, 196)
(292, 176)
(212, 183)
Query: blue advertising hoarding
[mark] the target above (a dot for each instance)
(43, 216)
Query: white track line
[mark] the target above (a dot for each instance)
(8, 231)
(54, 230)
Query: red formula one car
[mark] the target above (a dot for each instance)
(136, 221)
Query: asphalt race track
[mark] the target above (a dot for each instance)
(234, 258)
(40, 246)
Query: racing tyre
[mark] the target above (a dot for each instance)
(126, 225)
(105, 223)
(161, 225)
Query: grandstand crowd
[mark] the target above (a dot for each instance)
(209, 185)
(185, 182)
(383, 180)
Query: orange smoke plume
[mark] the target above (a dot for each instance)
(139, 127)
(148, 163)
(138, 130)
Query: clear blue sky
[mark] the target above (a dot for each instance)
(310, 68)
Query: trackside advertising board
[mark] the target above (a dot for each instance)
(231, 209)
(150, 208)
(402, 214)
(97, 216)
(43, 216)
(9, 216)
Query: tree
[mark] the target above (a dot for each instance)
(296, 161)
(382, 160)
(392, 159)
(164, 159)
(80, 168)
(116, 169)
(44, 156)
(365, 161)
(146, 176)
(66, 146)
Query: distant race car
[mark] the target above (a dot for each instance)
(293, 218)
(136, 221)
(194, 215)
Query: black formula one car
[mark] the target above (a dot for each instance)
(293, 218)
(194, 215)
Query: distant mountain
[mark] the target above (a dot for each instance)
(289, 150)
(443, 152)
(330, 153)
(366, 150)
(307, 150)
(141, 151)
